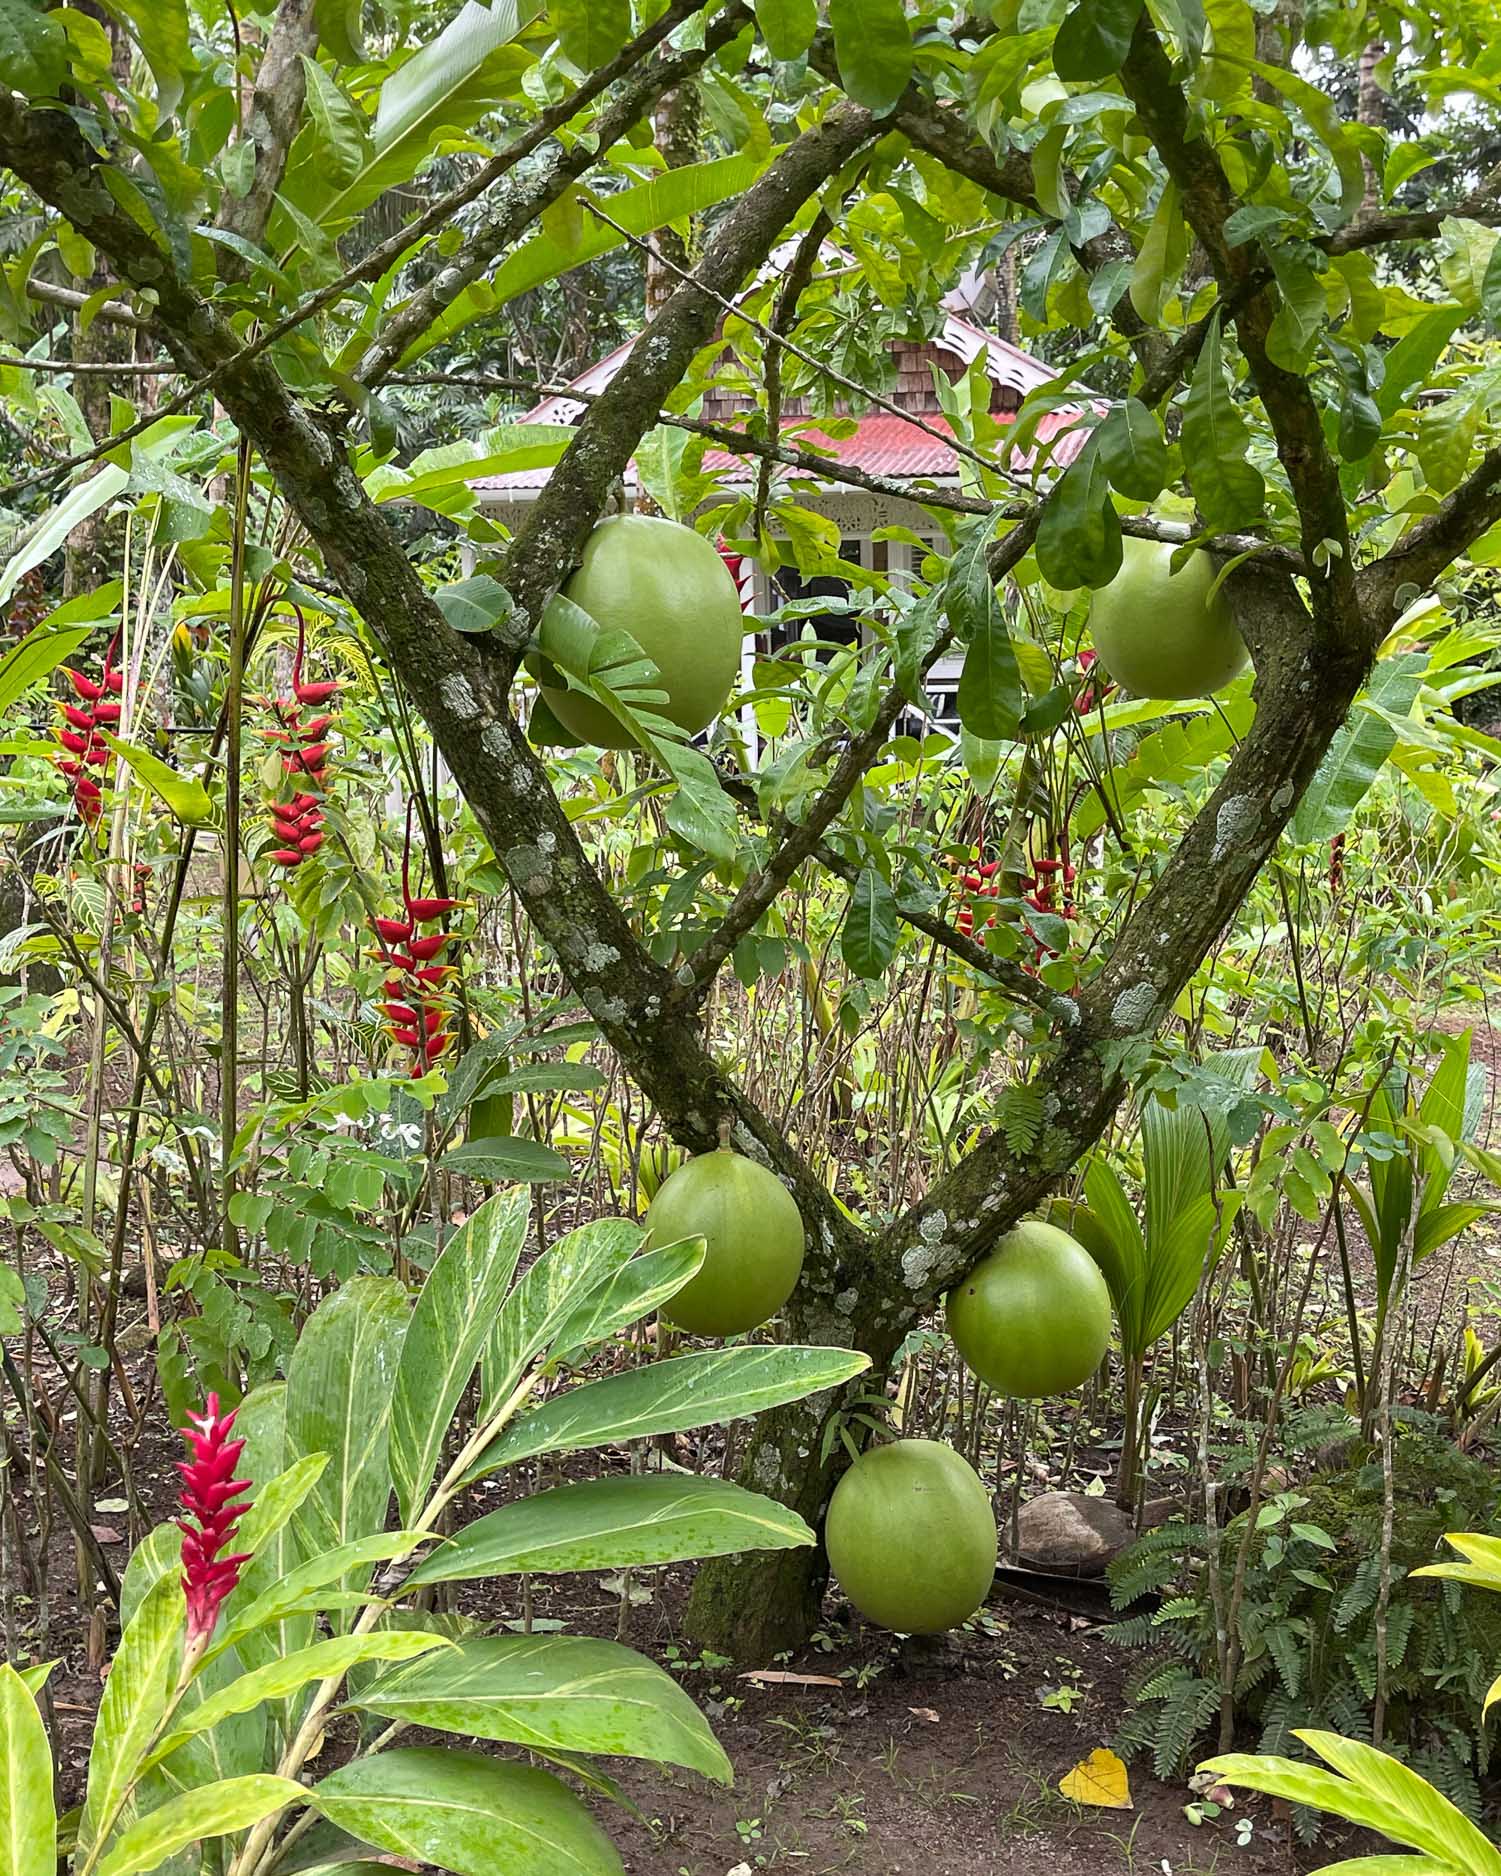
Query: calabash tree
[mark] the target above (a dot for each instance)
(1257, 341)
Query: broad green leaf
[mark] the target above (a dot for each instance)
(1322, 116)
(590, 32)
(1119, 1247)
(1434, 1825)
(559, 1693)
(35, 657)
(1079, 536)
(321, 1661)
(82, 500)
(616, 1524)
(261, 1420)
(1311, 1785)
(345, 139)
(1169, 758)
(1464, 258)
(1094, 38)
(1299, 321)
(699, 810)
(787, 26)
(466, 1813)
(299, 1587)
(272, 1504)
(1359, 750)
(1411, 361)
(1132, 451)
(160, 28)
(183, 796)
(1227, 488)
(698, 1390)
(631, 1291)
(639, 210)
(1160, 260)
(991, 698)
(28, 1819)
(141, 1677)
(873, 49)
(509, 1159)
(217, 1810)
(868, 939)
(338, 23)
(33, 50)
(454, 1315)
(548, 1296)
(339, 1387)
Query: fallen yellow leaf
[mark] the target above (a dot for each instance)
(1099, 1780)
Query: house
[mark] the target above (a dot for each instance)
(882, 444)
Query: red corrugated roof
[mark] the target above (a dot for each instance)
(882, 444)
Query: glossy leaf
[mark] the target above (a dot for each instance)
(873, 48)
(82, 500)
(590, 32)
(454, 1314)
(217, 1810)
(1132, 451)
(1355, 757)
(141, 1677)
(33, 50)
(787, 26)
(322, 1660)
(467, 1813)
(339, 1389)
(183, 796)
(559, 1693)
(705, 1389)
(1228, 489)
(1079, 537)
(299, 1587)
(630, 1292)
(507, 1158)
(615, 1524)
(36, 657)
(1094, 38)
(867, 941)
(548, 1295)
(991, 698)
(28, 1821)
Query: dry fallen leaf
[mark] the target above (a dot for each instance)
(1099, 1780)
(924, 1713)
(783, 1677)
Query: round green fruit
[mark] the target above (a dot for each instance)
(1160, 633)
(1033, 1318)
(911, 1537)
(753, 1232)
(667, 587)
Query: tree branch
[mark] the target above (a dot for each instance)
(271, 123)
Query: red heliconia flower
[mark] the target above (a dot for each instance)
(82, 746)
(297, 825)
(208, 1486)
(1091, 694)
(417, 1013)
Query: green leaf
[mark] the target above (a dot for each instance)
(549, 1296)
(507, 1159)
(324, 1660)
(28, 1819)
(477, 604)
(341, 124)
(35, 657)
(216, 1810)
(1358, 752)
(82, 500)
(590, 32)
(141, 1676)
(1228, 489)
(1466, 249)
(631, 1291)
(639, 210)
(1133, 452)
(991, 698)
(873, 50)
(184, 796)
(868, 940)
(1079, 536)
(454, 1315)
(338, 23)
(1412, 360)
(1094, 38)
(787, 26)
(1324, 120)
(300, 1586)
(1433, 1823)
(1299, 321)
(467, 1813)
(554, 1693)
(339, 1387)
(1160, 261)
(698, 1390)
(615, 1524)
(160, 28)
(274, 1503)
(699, 811)
(33, 50)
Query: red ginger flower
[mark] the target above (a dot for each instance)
(81, 745)
(297, 825)
(208, 1486)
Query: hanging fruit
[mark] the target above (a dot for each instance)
(297, 823)
(96, 706)
(1032, 1318)
(418, 1011)
(911, 1537)
(753, 1233)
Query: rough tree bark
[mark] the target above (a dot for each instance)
(859, 1288)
